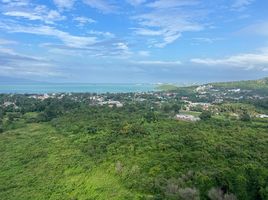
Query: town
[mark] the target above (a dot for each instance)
(183, 103)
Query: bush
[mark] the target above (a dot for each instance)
(133, 129)
(205, 115)
(245, 117)
(189, 194)
(218, 194)
(91, 130)
(172, 189)
(151, 117)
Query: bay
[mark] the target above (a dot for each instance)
(41, 88)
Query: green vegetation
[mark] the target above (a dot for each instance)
(71, 147)
(39, 163)
(251, 84)
(167, 87)
(205, 115)
(194, 113)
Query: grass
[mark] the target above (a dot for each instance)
(98, 184)
(196, 114)
(250, 84)
(167, 87)
(38, 163)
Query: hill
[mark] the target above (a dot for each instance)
(249, 84)
(133, 146)
(167, 87)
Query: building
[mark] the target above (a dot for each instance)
(112, 104)
(187, 117)
(262, 116)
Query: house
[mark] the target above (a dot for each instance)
(41, 97)
(202, 88)
(234, 90)
(112, 104)
(8, 103)
(187, 117)
(218, 101)
(262, 116)
(204, 106)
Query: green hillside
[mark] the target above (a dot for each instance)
(39, 163)
(250, 84)
(99, 153)
(133, 146)
(167, 87)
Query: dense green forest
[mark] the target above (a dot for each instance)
(70, 148)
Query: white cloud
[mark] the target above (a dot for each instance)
(169, 25)
(41, 13)
(66, 38)
(13, 63)
(7, 42)
(6, 50)
(64, 4)
(123, 49)
(144, 53)
(241, 4)
(206, 40)
(13, 3)
(158, 62)
(102, 5)
(122, 46)
(103, 44)
(29, 16)
(260, 28)
(147, 32)
(167, 20)
(247, 61)
(136, 2)
(101, 33)
(161, 4)
(84, 20)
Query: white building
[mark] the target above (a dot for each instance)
(187, 117)
(262, 116)
(111, 104)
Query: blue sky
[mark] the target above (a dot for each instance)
(128, 41)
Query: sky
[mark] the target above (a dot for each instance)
(134, 41)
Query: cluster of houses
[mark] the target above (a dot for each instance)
(203, 88)
(221, 94)
(189, 105)
(100, 100)
(45, 96)
(208, 94)
(41, 96)
(112, 104)
(8, 103)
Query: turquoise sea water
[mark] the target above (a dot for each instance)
(77, 88)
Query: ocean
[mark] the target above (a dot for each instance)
(74, 88)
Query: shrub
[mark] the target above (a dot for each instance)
(91, 130)
(218, 194)
(189, 194)
(205, 115)
(172, 189)
(245, 117)
(119, 167)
